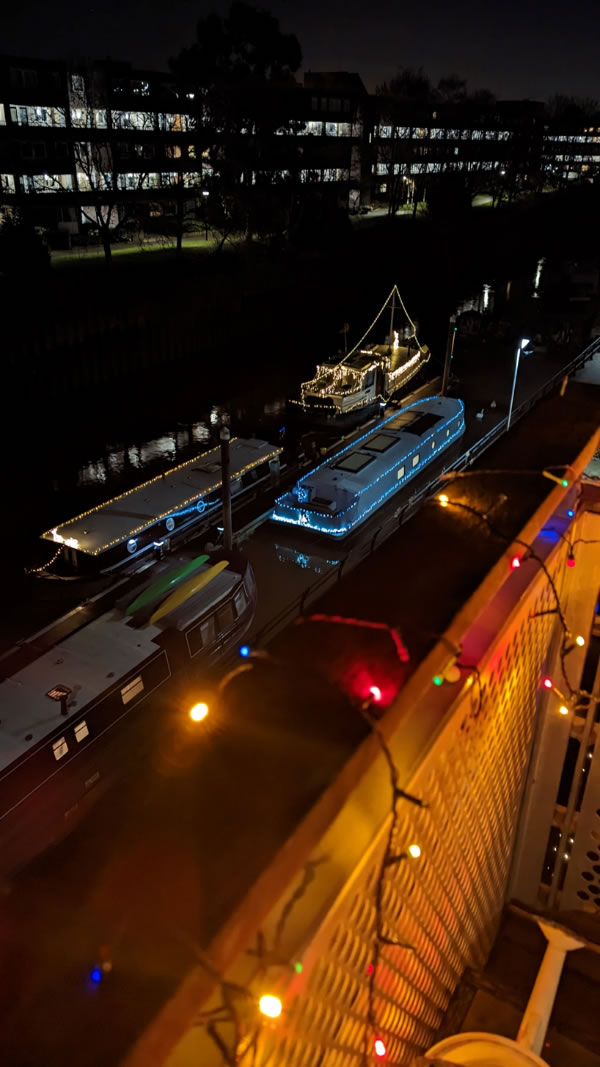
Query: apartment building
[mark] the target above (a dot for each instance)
(82, 137)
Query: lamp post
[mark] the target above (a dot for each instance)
(205, 194)
(226, 487)
(452, 328)
(521, 345)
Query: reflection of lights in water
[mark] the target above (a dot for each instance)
(486, 297)
(215, 416)
(303, 559)
(274, 407)
(538, 274)
(200, 431)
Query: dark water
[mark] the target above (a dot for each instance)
(59, 466)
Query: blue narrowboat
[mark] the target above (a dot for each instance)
(349, 487)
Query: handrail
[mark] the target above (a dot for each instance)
(401, 515)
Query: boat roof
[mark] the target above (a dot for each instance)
(102, 653)
(109, 524)
(398, 436)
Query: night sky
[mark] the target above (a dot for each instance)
(516, 48)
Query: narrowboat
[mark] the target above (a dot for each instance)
(152, 518)
(348, 390)
(349, 487)
(63, 712)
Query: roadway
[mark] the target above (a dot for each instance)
(169, 850)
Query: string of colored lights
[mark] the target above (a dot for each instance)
(372, 1036)
(531, 553)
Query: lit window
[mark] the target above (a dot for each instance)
(132, 689)
(400, 472)
(207, 631)
(81, 731)
(432, 445)
(415, 460)
(447, 433)
(240, 602)
(60, 748)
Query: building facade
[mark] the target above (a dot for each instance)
(97, 141)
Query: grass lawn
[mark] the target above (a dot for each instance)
(95, 253)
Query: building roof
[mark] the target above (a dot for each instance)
(179, 488)
(396, 426)
(89, 661)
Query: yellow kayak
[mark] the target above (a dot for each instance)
(188, 589)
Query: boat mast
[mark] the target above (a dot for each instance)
(393, 309)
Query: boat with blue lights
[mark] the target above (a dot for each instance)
(350, 389)
(348, 488)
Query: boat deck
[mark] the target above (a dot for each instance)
(180, 488)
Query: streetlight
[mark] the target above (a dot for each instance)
(205, 193)
(521, 345)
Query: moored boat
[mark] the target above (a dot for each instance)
(64, 712)
(353, 387)
(341, 493)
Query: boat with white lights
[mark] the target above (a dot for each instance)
(349, 487)
(350, 389)
(153, 517)
(64, 706)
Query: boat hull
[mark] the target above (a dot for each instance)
(334, 420)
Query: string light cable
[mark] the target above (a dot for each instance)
(530, 554)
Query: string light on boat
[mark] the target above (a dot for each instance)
(303, 517)
(443, 499)
(570, 513)
(53, 535)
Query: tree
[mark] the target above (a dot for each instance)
(22, 249)
(238, 76)
(98, 170)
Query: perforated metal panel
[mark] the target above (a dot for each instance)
(445, 904)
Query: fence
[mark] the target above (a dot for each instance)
(464, 751)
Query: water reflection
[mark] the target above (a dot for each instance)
(538, 276)
(167, 450)
(305, 560)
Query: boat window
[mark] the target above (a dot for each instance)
(432, 445)
(225, 617)
(207, 632)
(240, 601)
(448, 432)
(354, 463)
(381, 442)
(132, 689)
(60, 748)
(401, 472)
(423, 423)
(369, 379)
(415, 460)
(81, 731)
